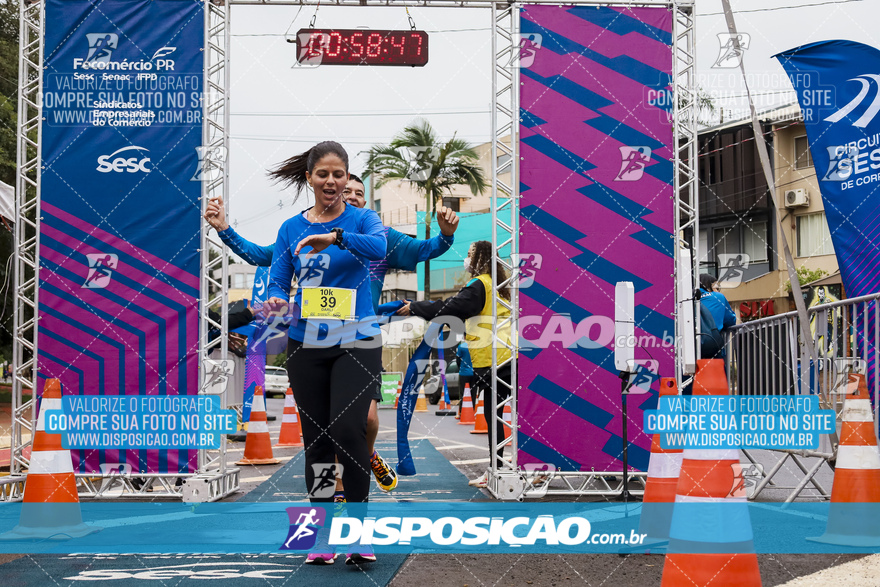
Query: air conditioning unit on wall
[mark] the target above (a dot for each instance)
(796, 198)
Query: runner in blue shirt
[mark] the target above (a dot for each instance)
(334, 355)
(402, 252)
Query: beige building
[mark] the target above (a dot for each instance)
(800, 214)
(241, 281)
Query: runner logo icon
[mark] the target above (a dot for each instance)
(101, 46)
(731, 49)
(313, 268)
(324, 484)
(840, 162)
(101, 267)
(633, 162)
(304, 525)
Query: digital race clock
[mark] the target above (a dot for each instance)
(361, 47)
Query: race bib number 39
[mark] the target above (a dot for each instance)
(334, 303)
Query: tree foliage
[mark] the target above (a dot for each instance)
(416, 155)
(9, 35)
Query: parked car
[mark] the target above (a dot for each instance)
(433, 387)
(276, 381)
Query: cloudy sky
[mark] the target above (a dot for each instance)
(279, 110)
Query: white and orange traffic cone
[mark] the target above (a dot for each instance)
(50, 508)
(663, 470)
(445, 407)
(397, 397)
(723, 534)
(508, 420)
(856, 474)
(258, 446)
(291, 430)
(466, 417)
(480, 425)
(421, 401)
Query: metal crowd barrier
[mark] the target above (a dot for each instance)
(767, 357)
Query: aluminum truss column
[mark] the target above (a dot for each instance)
(684, 119)
(215, 183)
(505, 482)
(27, 229)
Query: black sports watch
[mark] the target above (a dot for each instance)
(338, 241)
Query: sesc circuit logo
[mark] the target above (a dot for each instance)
(131, 159)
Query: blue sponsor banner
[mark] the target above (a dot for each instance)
(838, 89)
(119, 240)
(451, 527)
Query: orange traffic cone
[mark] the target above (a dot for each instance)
(711, 477)
(421, 401)
(442, 405)
(51, 502)
(467, 407)
(508, 420)
(856, 475)
(258, 446)
(480, 426)
(291, 431)
(663, 469)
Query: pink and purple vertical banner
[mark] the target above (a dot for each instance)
(596, 179)
(120, 231)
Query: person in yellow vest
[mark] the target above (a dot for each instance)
(473, 304)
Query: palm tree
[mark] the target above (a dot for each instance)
(433, 167)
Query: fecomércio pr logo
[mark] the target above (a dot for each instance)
(305, 522)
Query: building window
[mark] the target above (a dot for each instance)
(747, 237)
(453, 203)
(726, 241)
(377, 205)
(802, 157)
(241, 280)
(813, 236)
(392, 295)
(755, 241)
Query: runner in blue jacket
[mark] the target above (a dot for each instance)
(402, 252)
(334, 353)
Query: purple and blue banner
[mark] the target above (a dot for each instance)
(596, 177)
(119, 238)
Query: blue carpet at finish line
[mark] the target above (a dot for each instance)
(437, 480)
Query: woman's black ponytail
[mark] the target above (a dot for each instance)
(292, 172)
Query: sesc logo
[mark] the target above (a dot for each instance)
(108, 163)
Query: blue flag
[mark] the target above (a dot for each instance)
(838, 87)
(412, 381)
